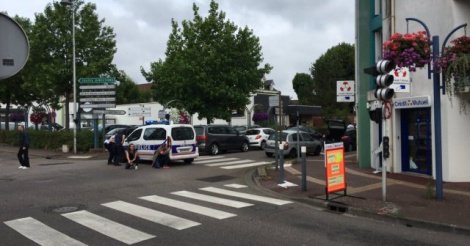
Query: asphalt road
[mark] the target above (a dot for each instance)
(89, 202)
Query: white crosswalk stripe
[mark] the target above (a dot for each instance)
(212, 199)
(152, 215)
(254, 164)
(228, 163)
(201, 158)
(40, 233)
(210, 212)
(108, 227)
(246, 196)
(215, 160)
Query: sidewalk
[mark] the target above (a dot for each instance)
(52, 154)
(409, 198)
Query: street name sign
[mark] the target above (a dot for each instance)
(98, 99)
(103, 105)
(113, 112)
(139, 111)
(98, 80)
(97, 93)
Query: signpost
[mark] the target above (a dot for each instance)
(139, 112)
(335, 179)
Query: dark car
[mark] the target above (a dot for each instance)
(311, 131)
(122, 130)
(336, 129)
(349, 139)
(111, 127)
(213, 139)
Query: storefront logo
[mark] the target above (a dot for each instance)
(412, 102)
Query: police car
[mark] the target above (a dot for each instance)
(148, 138)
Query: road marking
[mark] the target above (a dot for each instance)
(212, 199)
(236, 186)
(213, 213)
(210, 157)
(152, 215)
(216, 160)
(228, 163)
(108, 227)
(254, 164)
(41, 233)
(246, 196)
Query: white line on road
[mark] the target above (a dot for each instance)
(213, 213)
(210, 157)
(40, 233)
(254, 164)
(152, 215)
(212, 199)
(108, 227)
(246, 196)
(215, 160)
(236, 186)
(228, 163)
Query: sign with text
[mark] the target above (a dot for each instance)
(345, 91)
(139, 111)
(401, 79)
(334, 167)
(97, 93)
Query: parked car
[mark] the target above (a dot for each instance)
(111, 127)
(308, 130)
(289, 138)
(259, 136)
(213, 139)
(147, 139)
(53, 127)
(349, 139)
(123, 130)
(336, 129)
(241, 129)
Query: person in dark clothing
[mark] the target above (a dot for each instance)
(118, 149)
(23, 156)
(132, 157)
(109, 145)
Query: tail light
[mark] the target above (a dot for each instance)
(286, 146)
(258, 137)
(201, 138)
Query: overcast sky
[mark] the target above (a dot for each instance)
(293, 33)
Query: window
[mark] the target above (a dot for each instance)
(155, 134)
(267, 131)
(283, 136)
(135, 135)
(230, 130)
(215, 130)
(294, 137)
(253, 132)
(182, 133)
(307, 137)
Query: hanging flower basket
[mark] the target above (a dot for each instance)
(455, 65)
(410, 50)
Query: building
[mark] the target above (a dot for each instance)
(412, 125)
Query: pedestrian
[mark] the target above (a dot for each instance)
(23, 156)
(118, 147)
(109, 145)
(132, 157)
(162, 155)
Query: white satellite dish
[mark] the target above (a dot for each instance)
(14, 47)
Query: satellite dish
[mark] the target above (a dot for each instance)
(14, 47)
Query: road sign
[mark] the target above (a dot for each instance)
(139, 111)
(401, 79)
(103, 105)
(98, 99)
(97, 93)
(97, 87)
(113, 112)
(345, 91)
(98, 80)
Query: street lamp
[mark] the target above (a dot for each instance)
(71, 4)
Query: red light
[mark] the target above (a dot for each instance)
(201, 138)
(258, 136)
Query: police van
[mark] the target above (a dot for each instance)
(148, 138)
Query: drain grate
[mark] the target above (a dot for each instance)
(218, 178)
(58, 163)
(65, 208)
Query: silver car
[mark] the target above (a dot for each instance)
(258, 136)
(289, 138)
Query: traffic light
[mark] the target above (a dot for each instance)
(383, 79)
(386, 147)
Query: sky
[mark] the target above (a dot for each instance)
(292, 33)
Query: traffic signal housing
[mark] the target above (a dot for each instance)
(386, 147)
(383, 79)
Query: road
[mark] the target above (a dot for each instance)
(86, 202)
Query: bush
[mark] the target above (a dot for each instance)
(50, 140)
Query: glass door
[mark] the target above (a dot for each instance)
(416, 140)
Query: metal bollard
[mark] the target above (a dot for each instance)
(281, 163)
(304, 168)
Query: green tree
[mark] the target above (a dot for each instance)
(211, 66)
(127, 91)
(303, 87)
(336, 64)
(51, 50)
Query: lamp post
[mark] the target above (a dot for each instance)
(74, 79)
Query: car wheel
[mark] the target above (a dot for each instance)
(214, 149)
(269, 154)
(263, 145)
(245, 147)
(317, 151)
(188, 161)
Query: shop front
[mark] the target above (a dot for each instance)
(416, 134)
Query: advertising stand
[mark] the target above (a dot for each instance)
(335, 175)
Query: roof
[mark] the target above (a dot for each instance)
(144, 87)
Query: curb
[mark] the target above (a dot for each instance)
(252, 181)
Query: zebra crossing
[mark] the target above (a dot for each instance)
(43, 234)
(228, 162)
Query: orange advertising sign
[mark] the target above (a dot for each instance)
(334, 165)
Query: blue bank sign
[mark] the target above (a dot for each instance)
(412, 102)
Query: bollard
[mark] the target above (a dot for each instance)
(281, 163)
(304, 168)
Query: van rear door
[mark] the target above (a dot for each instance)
(184, 142)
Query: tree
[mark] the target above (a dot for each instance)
(336, 64)
(51, 50)
(303, 87)
(127, 91)
(211, 66)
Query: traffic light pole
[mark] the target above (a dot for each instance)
(384, 160)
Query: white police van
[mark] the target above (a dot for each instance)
(148, 138)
